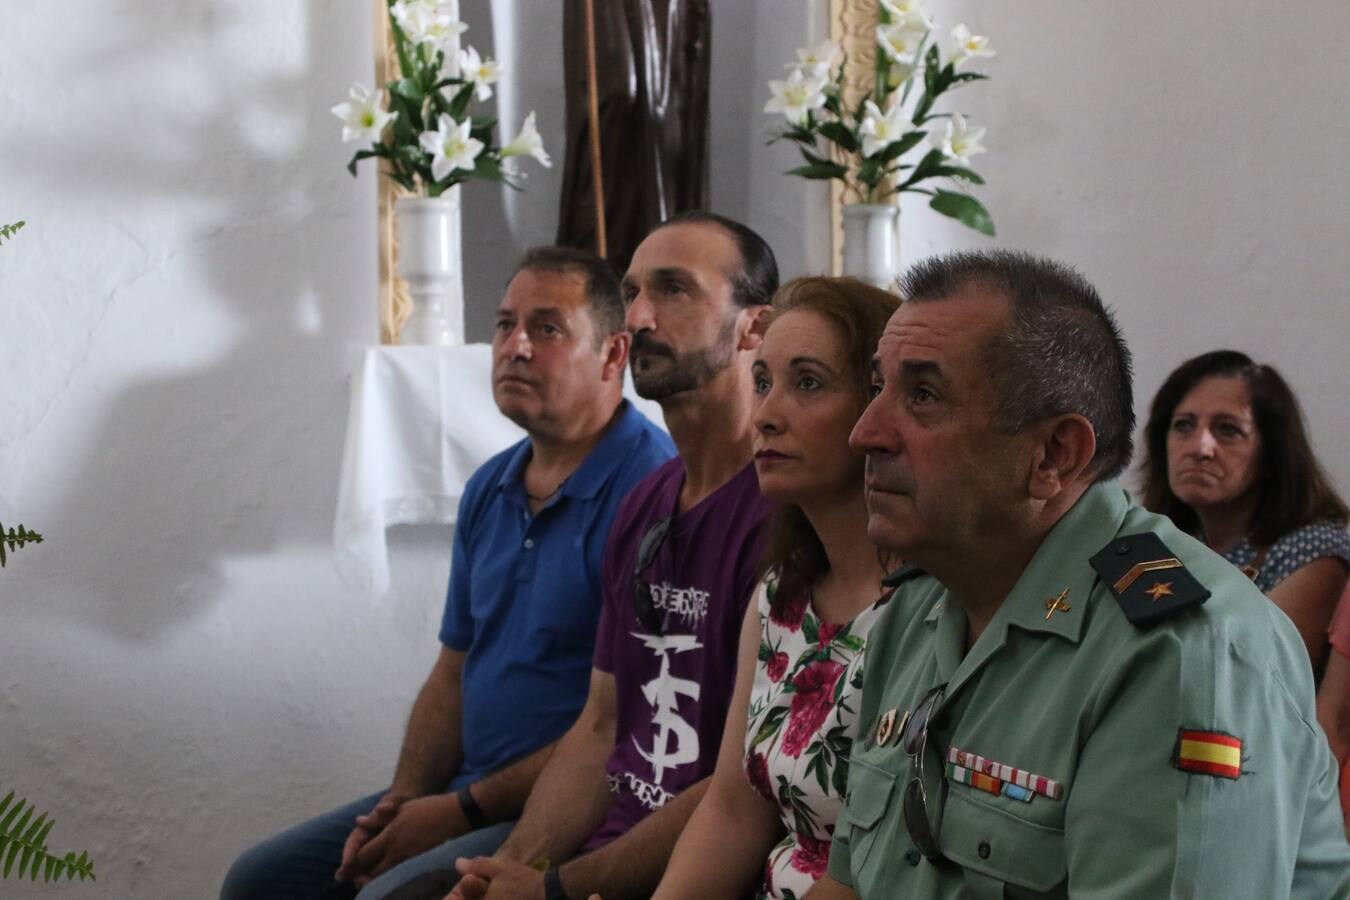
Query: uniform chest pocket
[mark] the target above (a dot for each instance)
(871, 793)
(1026, 858)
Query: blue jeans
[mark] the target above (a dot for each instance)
(299, 863)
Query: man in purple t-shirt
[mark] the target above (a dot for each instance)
(673, 656)
(679, 567)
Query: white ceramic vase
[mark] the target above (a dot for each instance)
(872, 242)
(429, 260)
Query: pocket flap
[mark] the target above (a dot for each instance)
(994, 842)
(869, 792)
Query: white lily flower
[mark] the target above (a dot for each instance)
(817, 60)
(902, 71)
(528, 143)
(968, 46)
(908, 12)
(880, 129)
(361, 115)
(450, 146)
(482, 72)
(796, 96)
(958, 141)
(427, 22)
(901, 42)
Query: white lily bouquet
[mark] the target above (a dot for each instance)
(866, 147)
(425, 130)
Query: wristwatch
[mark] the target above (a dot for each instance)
(473, 813)
(553, 889)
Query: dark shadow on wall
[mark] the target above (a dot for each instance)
(236, 454)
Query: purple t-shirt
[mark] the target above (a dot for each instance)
(673, 690)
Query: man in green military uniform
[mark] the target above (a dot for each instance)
(1076, 699)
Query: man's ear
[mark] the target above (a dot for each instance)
(615, 355)
(755, 321)
(1061, 455)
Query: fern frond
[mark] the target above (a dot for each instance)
(23, 839)
(7, 232)
(15, 538)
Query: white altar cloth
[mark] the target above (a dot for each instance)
(421, 422)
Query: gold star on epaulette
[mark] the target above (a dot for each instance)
(1122, 565)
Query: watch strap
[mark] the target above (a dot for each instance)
(473, 813)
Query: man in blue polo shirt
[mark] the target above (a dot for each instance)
(520, 616)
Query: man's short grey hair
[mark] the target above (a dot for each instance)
(1062, 351)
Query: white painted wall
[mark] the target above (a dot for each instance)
(1189, 158)
(180, 670)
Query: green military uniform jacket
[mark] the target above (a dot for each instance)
(1140, 728)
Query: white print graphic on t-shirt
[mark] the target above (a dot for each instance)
(689, 603)
(651, 796)
(663, 692)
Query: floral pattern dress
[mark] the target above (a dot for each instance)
(802, 722)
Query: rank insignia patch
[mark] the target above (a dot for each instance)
(1209, 753)
(1148, 581)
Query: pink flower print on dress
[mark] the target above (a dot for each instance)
(776, 667)
(790, 611)
(757, 770)
(811, 856)
(811, 704)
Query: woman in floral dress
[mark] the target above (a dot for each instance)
(766, 822)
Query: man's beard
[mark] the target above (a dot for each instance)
(687, 371)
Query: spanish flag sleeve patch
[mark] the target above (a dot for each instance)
(1209, 753)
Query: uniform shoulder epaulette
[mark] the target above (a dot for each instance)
(1147, 579)
(901, 575)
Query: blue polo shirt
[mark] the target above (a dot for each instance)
(524, 595)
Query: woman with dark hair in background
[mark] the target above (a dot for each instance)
(766, 821)
(1228, 459)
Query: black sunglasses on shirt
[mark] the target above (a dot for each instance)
(644, 605)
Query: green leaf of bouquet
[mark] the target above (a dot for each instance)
(481, 128)
(931, 160)
(487, 168)
(841, 135)
(870, 172)
(814, 158)
(460, 102)
(357, 157)
(408, 89)
(960, 172)
(902, 146)
(965, 209)
(405, 64)
(820, 171)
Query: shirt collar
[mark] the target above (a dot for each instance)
(1060, 569)
(594, 470)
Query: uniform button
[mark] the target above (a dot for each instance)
(983, 850)
(912, 857)
(524, 515)
(1122, 549)
(529, 543)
